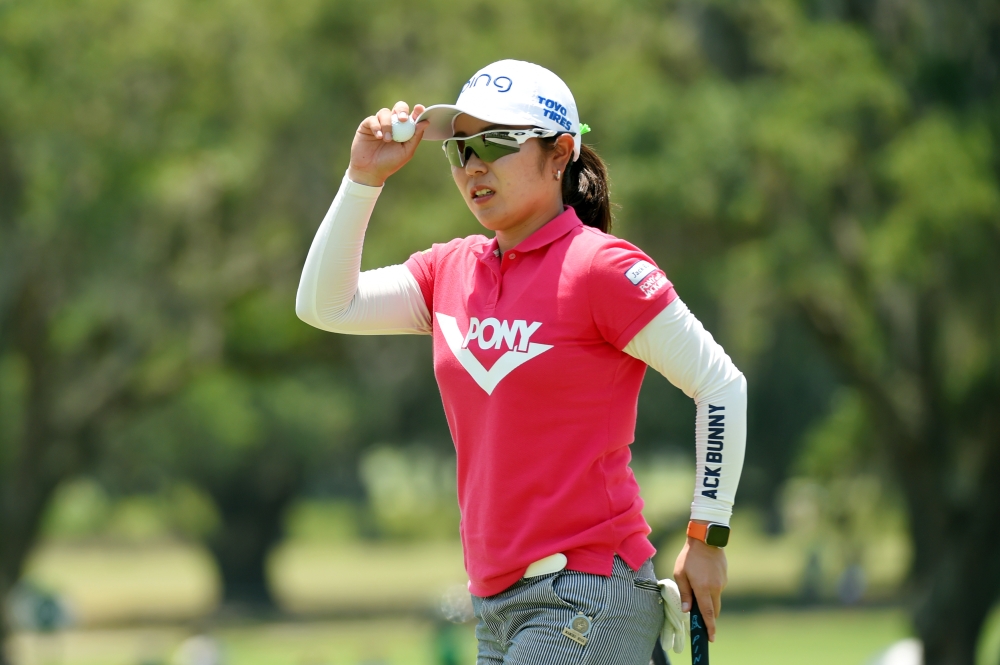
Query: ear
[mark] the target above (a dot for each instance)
(562, 155)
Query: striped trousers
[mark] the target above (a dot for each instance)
(572, 618)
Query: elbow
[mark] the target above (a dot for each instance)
(334, 323)
(742, 382)
(734, 380)
(732, 388)
(304, 317)
(305, 313)
(737, 387)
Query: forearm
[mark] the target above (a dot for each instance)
(720, 444)
(335, 295)
(678, 346)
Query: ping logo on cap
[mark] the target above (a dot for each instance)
(501, 83)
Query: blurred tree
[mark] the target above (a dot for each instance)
(134, 139)
(851, 178)
(819, 179)
(249, 444)
(163, 166)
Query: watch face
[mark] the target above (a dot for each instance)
(717, 536)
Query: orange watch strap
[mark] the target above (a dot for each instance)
(696, 530)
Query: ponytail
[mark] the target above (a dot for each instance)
(586, 187)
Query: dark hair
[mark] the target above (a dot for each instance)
(585, 186)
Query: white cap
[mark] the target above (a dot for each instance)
(509, 92)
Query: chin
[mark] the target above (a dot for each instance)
(489, 219)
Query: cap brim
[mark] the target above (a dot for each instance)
(441, 117)
(442, 120)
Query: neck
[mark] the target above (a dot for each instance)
(511, 237)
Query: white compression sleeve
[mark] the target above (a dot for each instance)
(335, 295)
(676, 345)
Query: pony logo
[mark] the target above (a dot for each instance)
(491, 333)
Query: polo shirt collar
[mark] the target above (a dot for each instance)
(554, 229)
(559, 226)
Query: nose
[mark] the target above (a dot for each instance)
(474, 165)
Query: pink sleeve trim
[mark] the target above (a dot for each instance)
(638, 323)
(419, 272)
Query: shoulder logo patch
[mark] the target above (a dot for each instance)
(637, 272)
(653, 283)
(518, 353)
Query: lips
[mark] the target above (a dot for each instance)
(481, 193)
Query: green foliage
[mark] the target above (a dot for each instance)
(841, 444)
(412, 492)
(314, 521)
(78, 508)
(818, 179)
(13, 388)
(82, 510)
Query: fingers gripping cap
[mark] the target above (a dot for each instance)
(510, 92)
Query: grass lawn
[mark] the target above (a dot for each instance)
(841, 637)
(359, 576)
(172, 581)
(177, 584)
(104, 585)
(817, 637)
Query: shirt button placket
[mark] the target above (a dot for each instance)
(504, 266)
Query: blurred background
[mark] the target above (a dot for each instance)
(190, 475)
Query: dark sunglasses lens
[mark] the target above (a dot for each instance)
(458, 150)
(492, 147)
(454, 150)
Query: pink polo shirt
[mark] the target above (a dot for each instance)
(539, 396)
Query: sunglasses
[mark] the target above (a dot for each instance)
(492, 145)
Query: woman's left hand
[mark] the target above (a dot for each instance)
(701, 569)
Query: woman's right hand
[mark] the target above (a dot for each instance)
(374, 155)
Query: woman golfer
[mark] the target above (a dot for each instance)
(542, 331)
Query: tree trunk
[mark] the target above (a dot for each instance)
(252, 503)
(240, 549)
(953, 510)
(37, 462)
(19, 519)
(957, 571)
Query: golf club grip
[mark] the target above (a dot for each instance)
(699, 636)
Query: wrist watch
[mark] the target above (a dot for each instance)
(713, 533)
